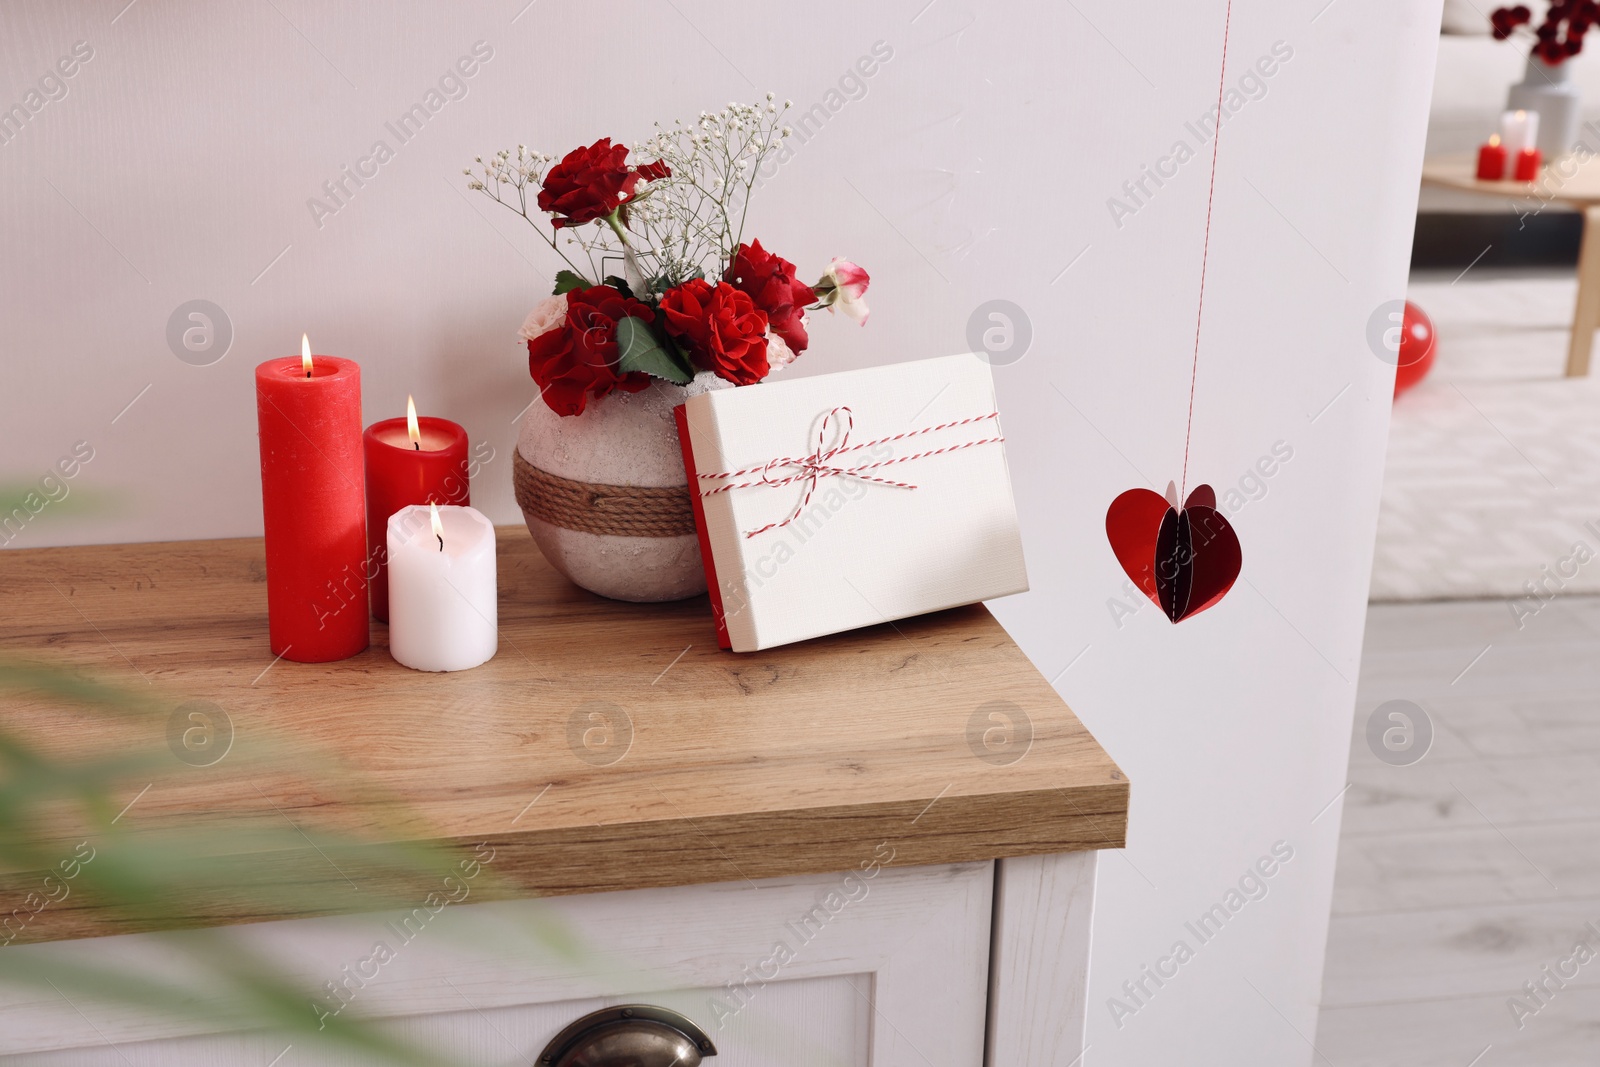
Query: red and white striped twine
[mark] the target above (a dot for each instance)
(787, 470)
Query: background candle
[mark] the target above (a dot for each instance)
(1518, 130)
(1527, 168)
(1491, 161)
(400, 471)
(312, 507)
(443, 604)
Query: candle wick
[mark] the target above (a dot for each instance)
(417, 445)
(441, 542)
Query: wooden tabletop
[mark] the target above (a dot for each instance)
(1563, 181)
(797, 760)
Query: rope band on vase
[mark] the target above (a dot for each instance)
(592, 507)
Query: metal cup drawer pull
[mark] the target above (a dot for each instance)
(629, 1035)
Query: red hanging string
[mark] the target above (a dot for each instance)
(1205, 253)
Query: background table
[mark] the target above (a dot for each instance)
(1561, 182)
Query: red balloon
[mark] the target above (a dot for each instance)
(1418, 345)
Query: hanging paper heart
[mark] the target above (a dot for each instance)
(1184, 559)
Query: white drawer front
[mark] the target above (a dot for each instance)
(883, 970)
(836, 1013)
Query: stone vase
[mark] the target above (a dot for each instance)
(605, 496)
(1548, 90)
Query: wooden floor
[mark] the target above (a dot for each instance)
(1463, 875)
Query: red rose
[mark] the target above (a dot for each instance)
(654, 172)
(770, 281)
(577, 360)
(721, 328)
(588, 183)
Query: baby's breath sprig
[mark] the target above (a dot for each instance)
(684, 226)
(513, 178)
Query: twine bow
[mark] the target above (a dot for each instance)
(822, 462)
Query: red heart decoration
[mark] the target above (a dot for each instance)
(1184, 559)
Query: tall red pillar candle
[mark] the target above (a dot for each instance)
(402, 469)
(313, 506)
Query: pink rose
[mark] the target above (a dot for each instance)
(779, 354)
(844, 286)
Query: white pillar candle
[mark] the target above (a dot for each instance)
(443, 613)
(1518, 130)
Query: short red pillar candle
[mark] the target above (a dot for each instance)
(402, 469)
(1492, 161)
(313, 506)
(1527, 165)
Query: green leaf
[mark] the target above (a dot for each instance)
(640, 351)
(662, 282)
(621, 285)
(679, 354)
(566, 281)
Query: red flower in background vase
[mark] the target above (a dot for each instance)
(589, 183)
(576, 358)
(1559, 37)
(720, 327)
(770, 282)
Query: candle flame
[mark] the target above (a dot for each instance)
(1494, 140)
(438, 527)
(305, 354)
(1521, 114)
(411, 423)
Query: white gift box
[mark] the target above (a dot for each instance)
(845, 500)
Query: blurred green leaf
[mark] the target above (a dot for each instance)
(177, 873)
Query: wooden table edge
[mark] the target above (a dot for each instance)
(978, 822)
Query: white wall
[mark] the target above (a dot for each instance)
(976, 166)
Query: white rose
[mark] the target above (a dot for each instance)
(546, 316)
